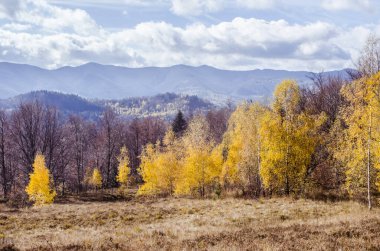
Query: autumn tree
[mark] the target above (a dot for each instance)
(160, 165)
(96, 179)
(324, 96)
(123, 168)
(40, 188)
(139, 133)
(369, 61)
(288, 140)
(202, 162)
(242, 142)
(358, 148)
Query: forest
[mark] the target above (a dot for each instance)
(310, 141)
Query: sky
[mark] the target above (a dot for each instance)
(317, 35)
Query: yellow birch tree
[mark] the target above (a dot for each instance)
(159, 165)
(288, 140)
(202, 163)
(123, 168)
(242, 141)
(96, 179)
(359, 142)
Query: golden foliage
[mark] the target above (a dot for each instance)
(96, 179)
(242, 140)
(40, 188)
(201, 165)
(358, 143)
(123, 168)
(288, 140)
(159, 166)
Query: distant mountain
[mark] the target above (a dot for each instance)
(114, 82)
(64, 102)
(162, 105)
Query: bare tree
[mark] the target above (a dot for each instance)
(323, 96)
(218, 121)
(111, 133)
(5, 172)
(78, 138)
(52, 136)
(369, 61)
(26, 132)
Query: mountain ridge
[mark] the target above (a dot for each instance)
(93, 80)
(161, 105)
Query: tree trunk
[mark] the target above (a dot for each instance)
(369, 163)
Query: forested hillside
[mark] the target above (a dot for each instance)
(162, 105)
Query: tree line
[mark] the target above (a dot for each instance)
(307, 141)
(73, 147)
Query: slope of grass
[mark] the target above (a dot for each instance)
(180, 223)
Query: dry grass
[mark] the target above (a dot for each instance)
(172, 224)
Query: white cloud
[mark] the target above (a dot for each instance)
(105, 3)
(195, 7)
(43, 34)
(47, 17)
(239, 44)
(347, 4)
(257, 4)
(9, 7)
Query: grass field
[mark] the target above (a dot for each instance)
(191, 224)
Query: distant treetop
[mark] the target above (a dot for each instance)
(179, 124)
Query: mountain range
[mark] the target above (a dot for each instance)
(98, 81)
(162, 105)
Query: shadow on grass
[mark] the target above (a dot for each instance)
(96, 196)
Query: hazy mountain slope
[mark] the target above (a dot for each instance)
(113, 82)
(64, 102)
(162, 105)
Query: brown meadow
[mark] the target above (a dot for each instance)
(191, 224)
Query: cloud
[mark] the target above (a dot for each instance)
(107, 3)
(347, 5)
(46, 17)
(238, 44)
(9, 7)
(51, 36)
(195, 7)
(202, 7)
(257, 4)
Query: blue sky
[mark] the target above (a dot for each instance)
(227, 34)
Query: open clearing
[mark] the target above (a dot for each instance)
(180, 223)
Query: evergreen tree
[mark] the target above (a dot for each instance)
(179, 124)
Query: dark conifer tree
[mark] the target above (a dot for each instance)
(179, 124)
